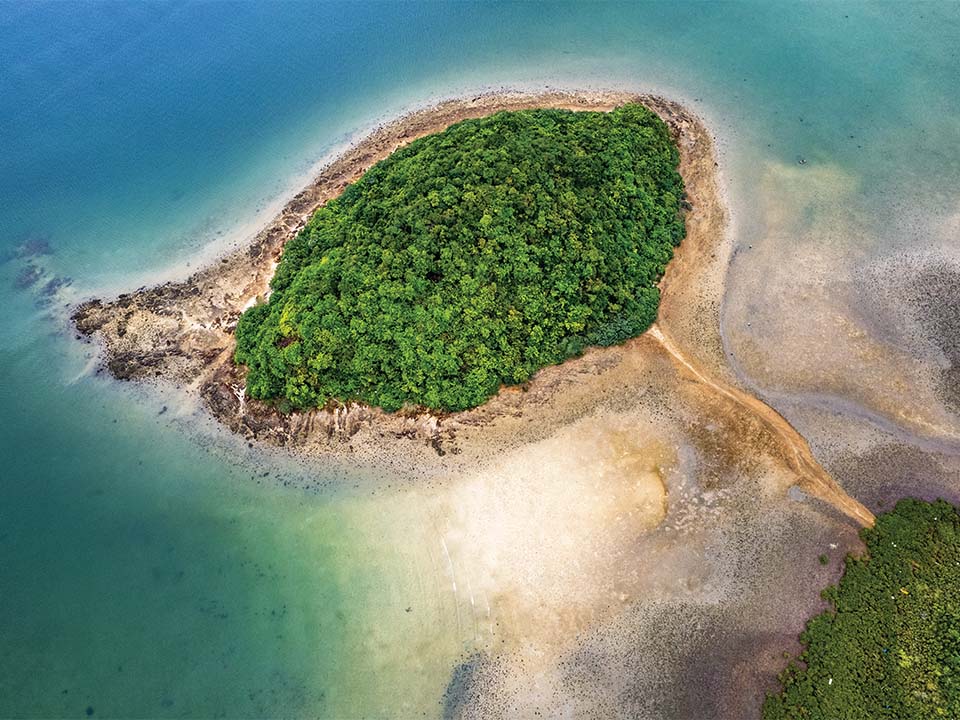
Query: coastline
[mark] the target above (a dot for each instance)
(181, 332)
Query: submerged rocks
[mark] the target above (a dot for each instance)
(55, 284)
(31, 245)
(27, 277)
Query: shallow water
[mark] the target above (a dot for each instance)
(150, 568)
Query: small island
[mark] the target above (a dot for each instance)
(185, 332)
(470, 277)
(469, 260)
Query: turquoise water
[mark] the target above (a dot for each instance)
(149, 569)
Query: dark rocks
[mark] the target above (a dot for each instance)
(130, 365)
(88, 317)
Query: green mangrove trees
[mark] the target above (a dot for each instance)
(889, 646)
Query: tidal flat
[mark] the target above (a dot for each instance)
(629, 480)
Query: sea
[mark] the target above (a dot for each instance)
(153, 566)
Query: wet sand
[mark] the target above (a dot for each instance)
(856, 328)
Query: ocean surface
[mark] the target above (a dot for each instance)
(151, 566)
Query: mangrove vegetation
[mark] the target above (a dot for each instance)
(889, 646)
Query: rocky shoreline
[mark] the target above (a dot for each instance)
(182, 332)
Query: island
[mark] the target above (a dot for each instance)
(466, 279)
(183, 332)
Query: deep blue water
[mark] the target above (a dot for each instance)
(143, 571)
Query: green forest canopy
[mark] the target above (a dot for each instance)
(889, 649)
(470, 259)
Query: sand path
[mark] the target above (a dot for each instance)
(814, 479)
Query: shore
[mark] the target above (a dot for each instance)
(181, 332)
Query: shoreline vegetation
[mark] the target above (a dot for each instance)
(182, 332)
(889, 644)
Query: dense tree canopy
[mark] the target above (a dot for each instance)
(889, 649)
(470, 259)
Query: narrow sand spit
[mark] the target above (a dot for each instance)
(813, 478)
(182, 332)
